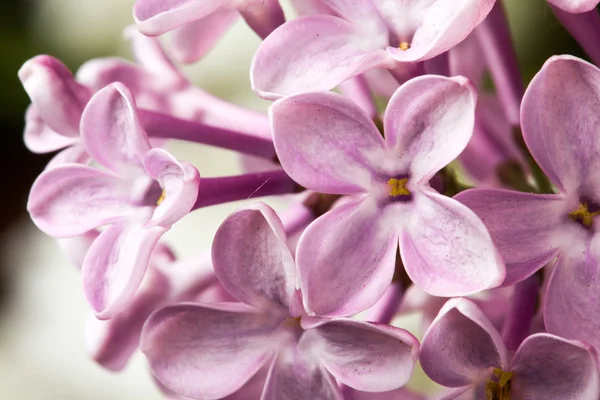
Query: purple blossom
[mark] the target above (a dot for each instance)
(575, 6)
(462, 350)
(228, 343)
(346, 257)
(318, 52)
(140, 194)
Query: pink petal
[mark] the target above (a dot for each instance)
(454, 393)
(112, 132)
(310, 54)
(525, 227)
(252, 260)
(208, 351)
(398, 394)
(115, 265)
(560, 122)
(75, 154)
(39, 137)
(429, 121)
(572, 300)
(75, 248)
(58, 98)
(575, 6)
(552, 368)
(150, 54)
(446, 249)
(436, 26)
(180, 183)
(155, 17)
(190, 42)
(461, 345)
(362, 355)
(326, 157)
(263, 16)
(111, 343)
(346, 258)
(296, 375)
(72, 199)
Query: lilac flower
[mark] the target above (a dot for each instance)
(575, 6)
(142, 192)
(226, 344)
(318, 52)
(560, 120)
(199, 24)
(346, 257)
(462, 350)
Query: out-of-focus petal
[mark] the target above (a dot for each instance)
(190, 42)
(362, 355)
(454, 393)
(296, 375)
(310, 54)
(252, 260)
(560, 123)
(572, 295)
(398, 394)
(179, 182)
(461, 345)
(429, 121)
(575, 6)
(326, 143)
(548, 367)
(111, 343)
(263, 16)
(208, 351)
(39, 137)
(155, 17)
(525, 227)
(346, 258)
(112, 132)
(72, 199)
(150, 54)
(75, 248)
(115, 265)
(435, 26)
(446, 249)
(75, 154)
(58, 98)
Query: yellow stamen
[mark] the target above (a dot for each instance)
(404, 46)
(499, 390)
(398, 187)
(161, 198)
(583, 215)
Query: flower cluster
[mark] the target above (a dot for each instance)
(476, 209)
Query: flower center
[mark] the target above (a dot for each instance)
(398, 187)
(404, 46)
(162, 197)
(498, 388)
(585, 214)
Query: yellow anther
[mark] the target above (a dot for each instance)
(499, 390)
(583, 215)
(398, 187)
(161, 198)
(404, 46)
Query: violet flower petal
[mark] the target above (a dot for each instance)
(560, 122)
(446, 249)
(436, 26)
(310, 54)
(180, 183)
(340, 157)
(112, 132)
(429, 121)
(115, 264)
(58, 98)
(454, 393)
(203, 351)
(252, 260)
(346, 258)
(72, 199)
(190, 42)
(548, 367)
(525, 227)
(75, 248)
(398, 394)
(461, 345)
(155, 17)
(365, 356)
(575, 6)
(263, 16)
(39, 137)
(296, 375)
(74, 154)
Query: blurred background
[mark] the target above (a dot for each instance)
(42, 309)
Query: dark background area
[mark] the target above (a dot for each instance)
(18, 43)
